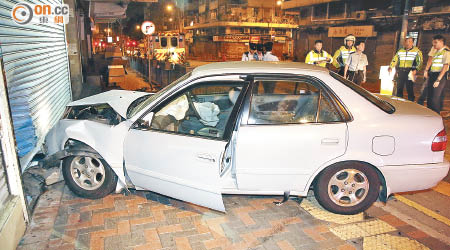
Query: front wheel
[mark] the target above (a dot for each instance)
(88, 177)
(347, 188)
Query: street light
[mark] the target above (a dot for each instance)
(169, 8)
(138, 27)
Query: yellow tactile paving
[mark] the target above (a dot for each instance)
(362, 229)
(373, 232)
(423, 209)
(345, 232)
(376, 227)
(443, 187)
(313, 207)
(386, 241)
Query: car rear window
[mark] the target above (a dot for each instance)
(383, 105)
(163, 42)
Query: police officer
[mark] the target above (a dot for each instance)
(408, 60)
(341, 55)
(317, 56)
(356, 64)
(268, 56)
(259, 52)
(437, 77)
(251, 54)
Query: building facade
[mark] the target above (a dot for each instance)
(378, 23)
(222, 29)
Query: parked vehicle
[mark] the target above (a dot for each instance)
(169, 47)
(259, 128)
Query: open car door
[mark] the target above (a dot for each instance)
(177, 149)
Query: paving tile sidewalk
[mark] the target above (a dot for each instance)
(145, 220)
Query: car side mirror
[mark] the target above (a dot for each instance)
(144, 122)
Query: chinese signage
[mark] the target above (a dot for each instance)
(231, 38)
(255, 39)
(358, 31)
(280, 39)
(246, 39)
(26, 13)
(417, 10)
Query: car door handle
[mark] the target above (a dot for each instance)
(206, 157)
(330, 141)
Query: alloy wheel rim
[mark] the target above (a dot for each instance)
(87, 172)
(348, 187)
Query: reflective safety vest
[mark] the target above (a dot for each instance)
(318, 58)
(341, 55)
(408, 59)
(438, 60)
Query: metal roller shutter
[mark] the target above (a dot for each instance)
(37, 73)
(4, 190)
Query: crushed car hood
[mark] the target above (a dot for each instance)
(119, 100)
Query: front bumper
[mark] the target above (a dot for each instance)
(407, 178)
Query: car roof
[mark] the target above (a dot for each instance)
(241, 67)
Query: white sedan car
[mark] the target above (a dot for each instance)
(259, 128)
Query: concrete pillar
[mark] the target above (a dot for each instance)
(74, 51)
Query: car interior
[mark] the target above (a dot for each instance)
(202, 111)
(284, 102)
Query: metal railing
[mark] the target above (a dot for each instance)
(159, 73)
(140, 65)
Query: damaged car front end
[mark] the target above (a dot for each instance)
(87, 141)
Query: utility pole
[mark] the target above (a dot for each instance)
(404, 24)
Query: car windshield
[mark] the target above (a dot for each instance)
(383, 105)
(136, 103)
(136, 108)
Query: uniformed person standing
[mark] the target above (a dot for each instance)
(317, 56)
(356, 65)
(251, 54)
(259, 52)
(407, 61)
(268, 56)
(437, 77)
(341, 55)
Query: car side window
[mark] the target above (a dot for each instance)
(203, 110)
(290, 102)
(327, 111)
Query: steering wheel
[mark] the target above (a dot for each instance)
(192, 108)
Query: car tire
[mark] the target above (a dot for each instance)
(88, 176)
(347, 188)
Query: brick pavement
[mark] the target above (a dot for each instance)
(145, 220)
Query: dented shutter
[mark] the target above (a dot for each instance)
(37, 74)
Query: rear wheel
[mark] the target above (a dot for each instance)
(88, 177)
(347, 188)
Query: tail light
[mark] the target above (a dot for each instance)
(439, 142)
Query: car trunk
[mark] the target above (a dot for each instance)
(405, 107)
(415, 139)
